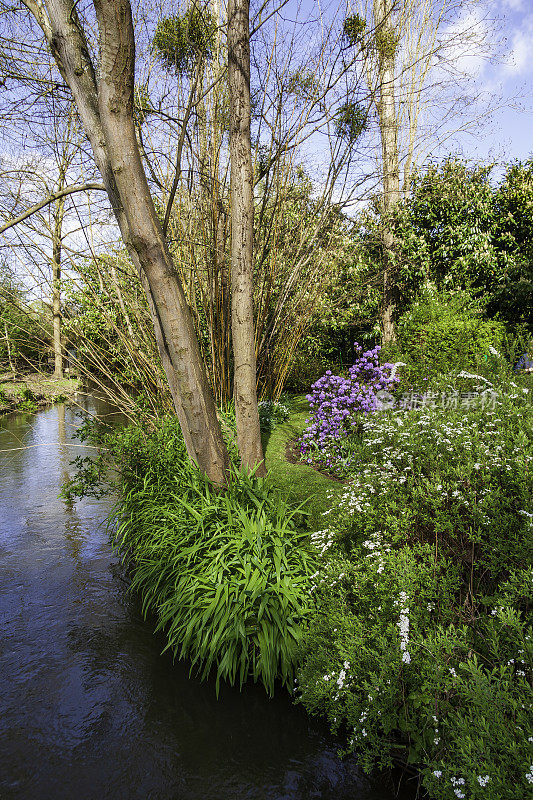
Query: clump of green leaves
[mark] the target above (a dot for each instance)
(350, 121)
(353, 28)
(445, 331)
(386, 42)
(181, 41)
(29, 400)
(226, 573)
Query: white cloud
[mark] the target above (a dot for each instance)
(513, 5)
(518, 60)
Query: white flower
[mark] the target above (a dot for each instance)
(406, 658)
(459, 793)
(437, 773)
(483, 780)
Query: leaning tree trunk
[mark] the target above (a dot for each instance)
(385, 41)
(242, 222)
(105, 106)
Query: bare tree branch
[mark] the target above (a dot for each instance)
(82, 187)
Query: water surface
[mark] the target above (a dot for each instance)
(89, 708)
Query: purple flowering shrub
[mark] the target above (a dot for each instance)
(336, 401)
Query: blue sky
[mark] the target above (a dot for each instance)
(508, 77)
(512, 134)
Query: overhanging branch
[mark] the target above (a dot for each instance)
(82, 187)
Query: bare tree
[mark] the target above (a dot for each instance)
(105, 103)
(422, 96)
(385, 46)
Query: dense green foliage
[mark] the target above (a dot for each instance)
(458, 230)
(462, 232)
(444, 331)
(421, 647)
(28, 328)
(180, 41)
(226, 574)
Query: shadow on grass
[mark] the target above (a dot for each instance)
(297, 481)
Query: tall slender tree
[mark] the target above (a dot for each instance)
(386, 43)
(242, 235)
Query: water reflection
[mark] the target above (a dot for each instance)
(89, 708)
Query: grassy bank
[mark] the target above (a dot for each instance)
(33, 391)
(298, 482)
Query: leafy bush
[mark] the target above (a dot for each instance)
(445, 331)
(421, 647)
(272, 413)
(28, 401)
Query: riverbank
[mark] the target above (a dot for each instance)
(34, 390)
(89, 691)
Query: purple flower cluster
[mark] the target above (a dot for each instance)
(335, 400)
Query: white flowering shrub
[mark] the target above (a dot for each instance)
(421, 649)
(272, 413)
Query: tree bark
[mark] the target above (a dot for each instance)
(388, 126)
(105, 106)
(9, 357)
(56, 288)
(242, 220)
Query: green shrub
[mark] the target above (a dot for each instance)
(445, 331)
(29, 401)
(421, 648)
(400, 669)
(273, 412)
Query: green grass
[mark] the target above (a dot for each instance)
(26, 393)
(297, 482)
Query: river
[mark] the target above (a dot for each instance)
(89, 708)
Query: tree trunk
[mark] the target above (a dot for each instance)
(56, 288)
(105, 105)
(9, 356)
(388, 125)
(242, 221)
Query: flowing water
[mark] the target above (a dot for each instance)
(89, 708)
